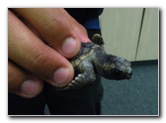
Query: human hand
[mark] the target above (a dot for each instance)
(39, 43)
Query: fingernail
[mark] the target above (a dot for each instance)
(61, 76)
(29, 87)
(69, 46)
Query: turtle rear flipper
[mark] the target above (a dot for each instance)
(97, 39)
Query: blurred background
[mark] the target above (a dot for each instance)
(132, 33)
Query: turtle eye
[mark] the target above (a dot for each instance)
(119, 72)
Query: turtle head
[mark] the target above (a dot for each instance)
(116, 68)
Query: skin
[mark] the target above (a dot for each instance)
(39, 43)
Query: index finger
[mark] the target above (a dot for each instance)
(55, 26)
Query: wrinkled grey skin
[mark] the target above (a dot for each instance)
(93, 60)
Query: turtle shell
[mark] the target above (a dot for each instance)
(87, 49)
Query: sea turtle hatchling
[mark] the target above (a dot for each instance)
(93, 60)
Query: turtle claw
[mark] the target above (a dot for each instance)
(77, 79)
(80, 76)
(80, 79)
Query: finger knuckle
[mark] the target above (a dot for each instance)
(37, 62)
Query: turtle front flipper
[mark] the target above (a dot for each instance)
(86, 78)
(97, 39)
